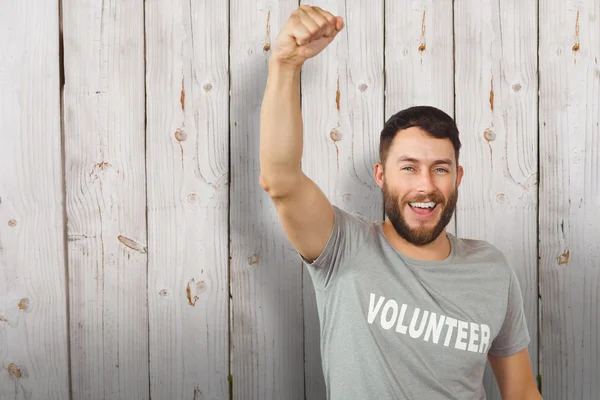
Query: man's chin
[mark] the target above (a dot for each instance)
(421, 233)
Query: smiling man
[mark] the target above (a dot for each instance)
(407, 310)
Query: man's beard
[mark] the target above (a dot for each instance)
(421, 235)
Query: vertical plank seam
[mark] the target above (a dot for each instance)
(61, 86)
(538, 247)
(384, 91)
(146, 189)
(302, 292)
(454, 97)
(229, 255)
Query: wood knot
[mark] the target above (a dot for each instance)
(500, 198)
(207, 87)
(363, 87)
(267, 47)
(563, 258)
(335, 135)
(201, 287)
(180, 135)
(14, 371)
(253, 259)
(489, 135)
(192, 198)
(132, 244)
(24, 304)
(188, 292)
(516, 87)
(12, 223)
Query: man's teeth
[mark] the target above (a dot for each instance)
(423, 205)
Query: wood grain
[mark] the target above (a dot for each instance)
(33, 295)
(570, 198)
(418, 55)
(187, 163)
(266, 275)
(106, 198)
(496, 108)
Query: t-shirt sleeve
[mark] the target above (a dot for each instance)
(348, 234)
(514, 335)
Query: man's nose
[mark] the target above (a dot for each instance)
(426, 182)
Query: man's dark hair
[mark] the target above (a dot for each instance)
(432, 120)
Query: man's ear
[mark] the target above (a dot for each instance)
(459, 176)
(378, 174)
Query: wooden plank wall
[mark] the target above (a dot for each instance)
(139, 257)
(187, 168)
(103, 123)
(569, 116)
(34, 338)
(266, 276)
(496, 112)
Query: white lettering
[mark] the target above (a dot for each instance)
(401, 328)
(451, 322)
(435, 327)
(461, 333)
(374, 308)
(473, 336)
(412, 331)
(470, 336)
(485, 338)
(388, 323)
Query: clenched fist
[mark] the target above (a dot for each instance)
(305, 34)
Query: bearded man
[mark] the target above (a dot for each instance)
(407, 310)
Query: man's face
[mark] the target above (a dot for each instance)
(420, 185)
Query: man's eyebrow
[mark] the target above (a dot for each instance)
(445, 161)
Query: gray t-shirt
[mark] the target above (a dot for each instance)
(393, 327)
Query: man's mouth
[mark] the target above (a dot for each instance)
(423, 209)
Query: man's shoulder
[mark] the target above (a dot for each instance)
(354, 219)
(477, 250)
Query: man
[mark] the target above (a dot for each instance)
(407, 311)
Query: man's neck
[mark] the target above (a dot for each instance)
(439, 249)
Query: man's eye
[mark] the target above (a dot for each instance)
(407, 168)
(441, 170)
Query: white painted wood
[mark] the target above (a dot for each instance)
(419, 58)
(570, 198)
(418, 55)
(187, 163)
(496, 107)
(266, 274)
(342, 105)
(106, 198)
(175, 344)
(33, 295)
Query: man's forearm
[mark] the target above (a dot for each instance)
(280, 127)
(532, 394)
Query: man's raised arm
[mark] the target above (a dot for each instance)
(305, 213)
